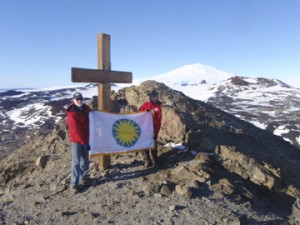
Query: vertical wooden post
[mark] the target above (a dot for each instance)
(103, 76)
(104, 89)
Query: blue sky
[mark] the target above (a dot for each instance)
(41, 40)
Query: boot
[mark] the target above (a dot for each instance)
(147, 163)
(154, 157)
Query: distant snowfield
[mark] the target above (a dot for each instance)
(264, 103)
(38, 111)
(197, 92)
(200, 92)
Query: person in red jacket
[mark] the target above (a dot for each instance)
(154, 105)
(78, 125)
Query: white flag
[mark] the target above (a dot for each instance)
(116, 133)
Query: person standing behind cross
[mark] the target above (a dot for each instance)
(154, 105)
(78, 125)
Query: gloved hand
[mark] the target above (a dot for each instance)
(87, 147)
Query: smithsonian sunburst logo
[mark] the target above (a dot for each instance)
(126, 132)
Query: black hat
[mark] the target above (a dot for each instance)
(77, 95)
(154, 93)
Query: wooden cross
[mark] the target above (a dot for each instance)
(103, 76)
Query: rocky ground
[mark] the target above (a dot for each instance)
(34, 190)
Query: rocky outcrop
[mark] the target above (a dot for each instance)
(252, 153)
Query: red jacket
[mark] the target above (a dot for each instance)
(157, 115)
(78, 123)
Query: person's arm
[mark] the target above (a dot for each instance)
(143, 107)
(159, 117)
(157, 121)
(73, 127)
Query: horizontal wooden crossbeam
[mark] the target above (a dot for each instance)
(100, 76)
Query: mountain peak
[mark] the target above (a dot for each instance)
(239, 81)
(191, 74)
(246, 83)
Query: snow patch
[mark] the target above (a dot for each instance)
(30, 114)
(298, 140)
(258, 124)
(281, 130)
(178, 146)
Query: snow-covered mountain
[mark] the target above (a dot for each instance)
(194, 74)
(269, 104)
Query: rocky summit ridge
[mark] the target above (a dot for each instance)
(229, 172)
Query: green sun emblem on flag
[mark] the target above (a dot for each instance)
(126, 132)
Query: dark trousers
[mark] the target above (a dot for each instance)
(146, 153)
